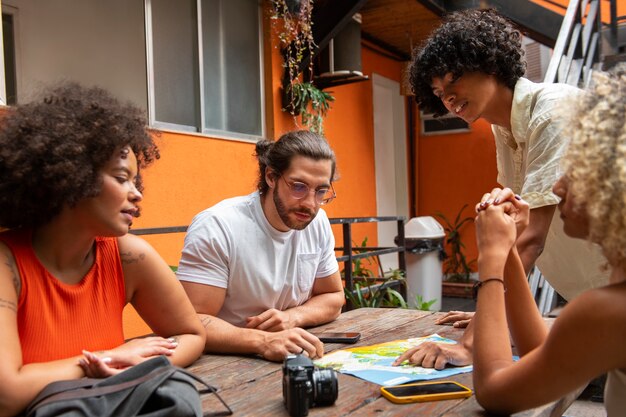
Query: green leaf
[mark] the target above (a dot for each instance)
(311, 103)
(399, 299)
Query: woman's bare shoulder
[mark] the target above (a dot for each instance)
(601, 302)
(598, 314)
(140, 260)
(134, 250)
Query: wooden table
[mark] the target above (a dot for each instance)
(253, 386)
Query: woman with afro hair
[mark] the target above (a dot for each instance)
(70, 186)
(588, 339)
(472, 66)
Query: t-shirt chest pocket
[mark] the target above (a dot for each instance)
(307, 267)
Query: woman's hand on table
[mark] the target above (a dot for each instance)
(436, 355)
(458, 319)
(107, 363)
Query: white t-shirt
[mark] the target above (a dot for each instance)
(529, 162)
(232, 245)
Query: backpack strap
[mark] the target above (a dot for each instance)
(91, 387)
(147, 376)
(208, 389)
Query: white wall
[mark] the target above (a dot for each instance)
(93, 42)
(392, 188)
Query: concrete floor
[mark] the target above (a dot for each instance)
(582, 407)
(460, 304)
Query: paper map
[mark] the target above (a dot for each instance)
(373, 363)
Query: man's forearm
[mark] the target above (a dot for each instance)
(319, 309)
(528, 253)
(223, 337)
(531, 242)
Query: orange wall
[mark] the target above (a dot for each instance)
(195, 172)
(454, 170)
(350, 131)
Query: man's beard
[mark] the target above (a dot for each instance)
(283, 213)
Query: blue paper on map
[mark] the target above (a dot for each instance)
(373, 363)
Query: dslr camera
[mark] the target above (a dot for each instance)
(306, 386)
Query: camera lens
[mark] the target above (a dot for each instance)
(325, 387)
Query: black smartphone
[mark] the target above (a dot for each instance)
(425, 391)
(338, 337)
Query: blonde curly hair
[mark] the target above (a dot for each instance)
(595, 162)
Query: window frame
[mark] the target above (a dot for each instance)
(201, 130)
(449, 131)
(14, 12)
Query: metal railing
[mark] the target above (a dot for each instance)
(349, 251)
(159, 230)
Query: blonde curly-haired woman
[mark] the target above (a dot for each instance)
(589, 337)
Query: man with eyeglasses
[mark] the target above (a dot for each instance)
(260, 268)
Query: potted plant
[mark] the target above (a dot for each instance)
(456, 268)
(371, 290)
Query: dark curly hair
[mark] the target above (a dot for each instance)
(278, 155)
(52, 150)
(467, 41)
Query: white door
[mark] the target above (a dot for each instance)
(391, 157)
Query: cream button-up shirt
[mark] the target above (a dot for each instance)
(529, 154)
(529, 162)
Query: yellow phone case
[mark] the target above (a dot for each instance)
(466, 392)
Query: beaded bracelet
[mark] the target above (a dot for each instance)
(479, 284)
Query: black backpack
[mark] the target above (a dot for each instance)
(153, 388)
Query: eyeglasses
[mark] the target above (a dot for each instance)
(300, 190)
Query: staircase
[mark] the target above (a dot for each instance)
(577, 50)
(583, 42)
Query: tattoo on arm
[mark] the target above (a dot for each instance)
(8, 304)
(17, 282)
(205, 321)
(130, 258)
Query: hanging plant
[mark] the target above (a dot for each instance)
(293, 23)
(294, 26)
(307, 96)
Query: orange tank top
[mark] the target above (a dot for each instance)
(56, 320)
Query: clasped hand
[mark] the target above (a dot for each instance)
(272, 320)
(502, 216)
